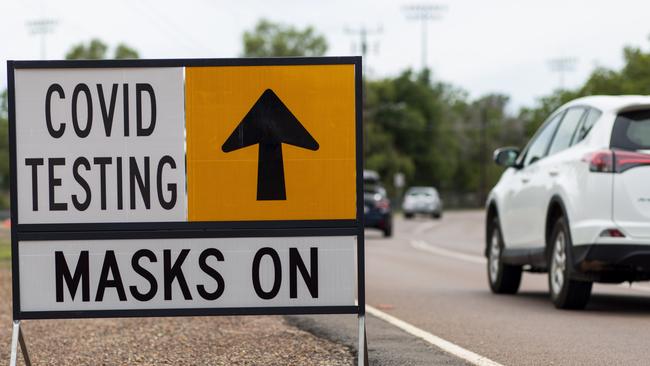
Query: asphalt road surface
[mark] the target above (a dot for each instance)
(432, 274)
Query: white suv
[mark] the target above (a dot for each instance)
(575, 202)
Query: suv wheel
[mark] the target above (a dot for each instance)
(503, 278)
(566, 293)
(388, 230)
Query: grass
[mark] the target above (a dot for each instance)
(5, 250)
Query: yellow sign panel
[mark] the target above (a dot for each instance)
(271, 142)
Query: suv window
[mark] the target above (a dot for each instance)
(592, 116)
(567, 129)
(632, 131)
(538, 147)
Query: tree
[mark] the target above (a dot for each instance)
(4, 150)
(633, 78)
(408, 123)
(123, 51)
(97, 50)
(270, 39)
(3, 105)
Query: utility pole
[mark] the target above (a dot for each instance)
(562, 65)
(42, 27)
(363, 33)
(424, 13)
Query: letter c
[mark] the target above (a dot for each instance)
(48, 110)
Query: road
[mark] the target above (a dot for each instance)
(431, 274)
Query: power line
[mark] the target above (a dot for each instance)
(424, 13)
(164, 26)
(363, 33)
(154, 8)
(562, 65)
(42, 27)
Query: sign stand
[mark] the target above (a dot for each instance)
(16, 339)
(225, 234)
(363, 343)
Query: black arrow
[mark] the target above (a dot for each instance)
(269, 123)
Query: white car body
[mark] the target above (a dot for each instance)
(606, 209)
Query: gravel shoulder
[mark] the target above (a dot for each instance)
(243, 340)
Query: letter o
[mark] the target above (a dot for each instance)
(75, 119)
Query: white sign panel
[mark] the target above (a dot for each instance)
(100, 145)
(187, 273)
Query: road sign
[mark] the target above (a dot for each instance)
(99, 145)
(271, 142)
(269, 124)
(211, 274)
(109, 221)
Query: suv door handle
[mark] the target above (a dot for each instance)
(525, 180)
(553, 173)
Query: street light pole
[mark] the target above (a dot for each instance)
(562, 65)
(42, 27)
(424, 13)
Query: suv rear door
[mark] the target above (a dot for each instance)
(630, 142)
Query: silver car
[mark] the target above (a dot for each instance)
(422, 200)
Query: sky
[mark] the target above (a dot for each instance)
(481, 46)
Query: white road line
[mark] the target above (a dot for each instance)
(454, 349)
(423, 245)
(420, 229)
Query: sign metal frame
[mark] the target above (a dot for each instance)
(153, 230)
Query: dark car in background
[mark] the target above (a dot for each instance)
(377, 212)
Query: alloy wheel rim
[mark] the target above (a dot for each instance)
(495, 256)
(558, 263)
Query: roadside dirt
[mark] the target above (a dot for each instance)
(244, 340)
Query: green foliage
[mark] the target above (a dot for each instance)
(123, 51)
(94, 50)
(4, 158)
(270, 39)
(97, 50)
(5, 250)
(4, 147)
(431, 133)
(633, 78)
(3, 105)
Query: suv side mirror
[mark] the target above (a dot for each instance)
(506, 156)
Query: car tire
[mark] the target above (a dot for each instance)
(503, 278)
(388, 231)
(408, 215)
(566, 293)
(437, 215)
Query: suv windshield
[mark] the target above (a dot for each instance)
(632, 131)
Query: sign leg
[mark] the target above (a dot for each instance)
(363, 343)
(17, 340)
